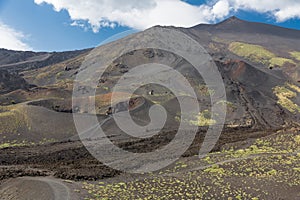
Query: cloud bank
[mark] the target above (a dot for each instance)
(281, 10)
(142, 14)
(12, 39)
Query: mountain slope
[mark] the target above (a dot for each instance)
(256, 156)
(253, 82)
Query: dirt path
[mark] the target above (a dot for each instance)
(31, 60)
(39, 188)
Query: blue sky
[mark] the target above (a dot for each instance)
(49, 25)
(48, 30)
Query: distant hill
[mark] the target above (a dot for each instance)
(26, 60)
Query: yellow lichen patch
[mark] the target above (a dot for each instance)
(16, 144)
(296, 55)
(297, 139)
(294, 87)
(252, 52)
(284, 96)
(258, 54)
(277, 61)
(215, 169)
(203, 119)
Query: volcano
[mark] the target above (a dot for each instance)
(260, 68)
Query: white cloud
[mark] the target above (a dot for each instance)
(221, 9)
(142, 14)
(12, 39)
(282, 10)
(138, 14)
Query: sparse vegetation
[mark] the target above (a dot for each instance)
(284, 96)
(15, 143)
(255, 53)
(258, 54)
(201, 119)
(215, 169)
(294, 87)
(296, 55)
(277, 61)
(12, 119)
(234, 174)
